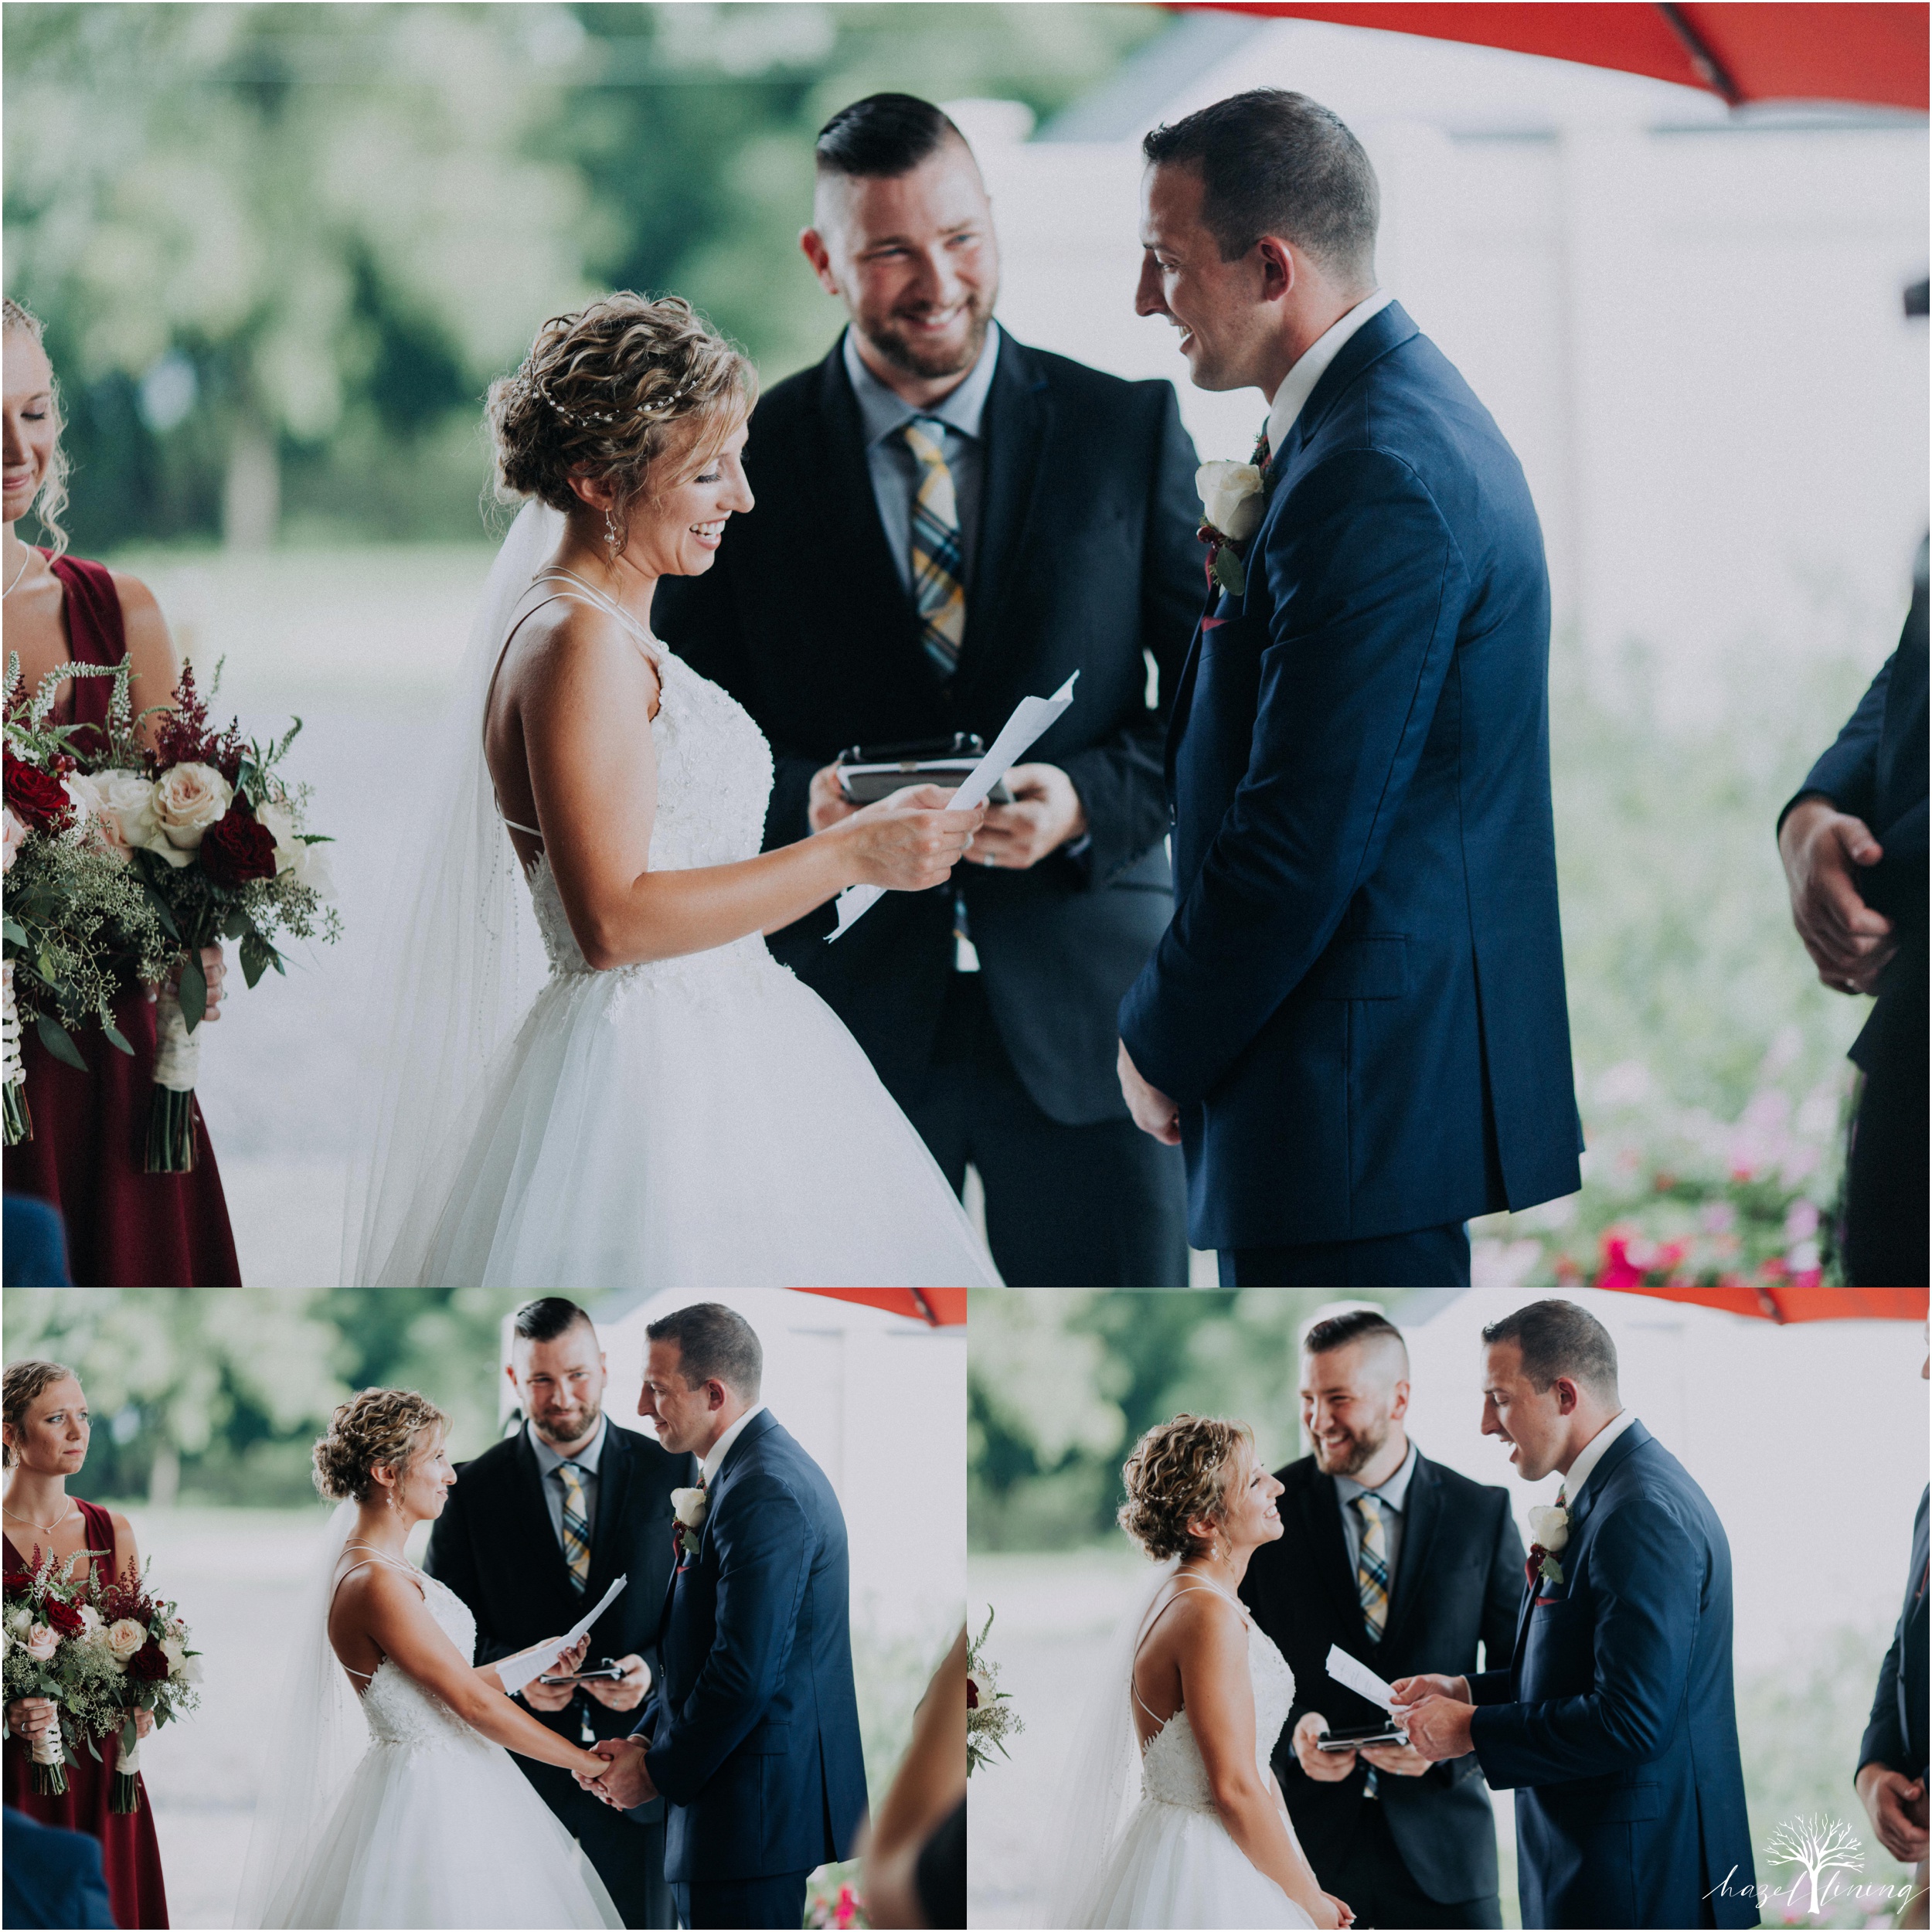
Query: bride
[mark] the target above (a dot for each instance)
(671, 1106)
(433, 1825)
(1190, 1710)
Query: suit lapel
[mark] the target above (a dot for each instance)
(1322, 1515)
(1014, 429)
(1421, 1511)
(534, 1509)
(613, 1487)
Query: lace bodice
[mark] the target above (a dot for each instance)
(714, 777)
(1171, 1769)
(402, 1711)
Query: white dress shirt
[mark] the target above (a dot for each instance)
(1592, 1454)
(1299, 384)
(714, 1456)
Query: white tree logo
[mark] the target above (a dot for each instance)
(1820, 1844)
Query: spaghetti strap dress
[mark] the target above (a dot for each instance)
(128, 1848)
(86, 1157)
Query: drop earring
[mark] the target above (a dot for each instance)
(613, 536)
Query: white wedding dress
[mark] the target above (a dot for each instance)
(701, 1121)
(1174, 1863)
(436, 1826)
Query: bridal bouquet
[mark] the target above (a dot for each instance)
(218, 842)
(53, 1636)
(75, 915)
(990, 1719)
(156, 1671)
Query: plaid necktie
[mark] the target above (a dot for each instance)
(938, 558)
(1372, 1569)
(576, 1527)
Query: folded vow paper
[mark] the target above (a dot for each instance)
(516, 1671)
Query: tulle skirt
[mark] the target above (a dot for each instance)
(701, 1122)
(456, 1837)
(1177, 1867)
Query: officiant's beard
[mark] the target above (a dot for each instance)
(572, 1426)
(938, 359)
(1356, 1454)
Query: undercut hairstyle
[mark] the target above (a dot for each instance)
(1178, 1475)
(1358, 1324)
(715, 1344)
(1276, 163)
(548, 1316)
(22, 1386)
(1558, 1339)
(385, 1427)
(883, 136)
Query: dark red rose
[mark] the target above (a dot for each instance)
(63, 1617)
(238, 847)
(37, 797)
(149, 1663)
(972, 1696)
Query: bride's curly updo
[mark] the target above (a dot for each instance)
(385, 1426)
(607, 391)
(1178, 1475)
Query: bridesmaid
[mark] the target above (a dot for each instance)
(126, 1228)
(43, 1420)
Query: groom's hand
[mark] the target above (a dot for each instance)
(1895, 1805)
(1438, 1728)
(1823, 848)
(628, 1693)
(1153, 1112)
(1045, 814)
(625, 1783)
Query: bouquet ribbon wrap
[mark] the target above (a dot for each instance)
(170, 1123)
(50, 1762)
(124, 1794)
(13, 1071)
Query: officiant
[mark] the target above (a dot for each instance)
(948, 521)
(534, 1533)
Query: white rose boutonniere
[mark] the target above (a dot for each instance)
(1549, 1529)
(1233, 496)
(689, 1507)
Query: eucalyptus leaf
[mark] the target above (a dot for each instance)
(117, 1039)
(194, 991)
(54, 1038)
(16, 934)
(1230, 572)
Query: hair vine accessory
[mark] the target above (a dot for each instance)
(580, 418)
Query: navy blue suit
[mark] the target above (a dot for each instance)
(1895, 1736)
(53, 1877)
(1359, 1005)
(754, 1728)
(1616, 1719)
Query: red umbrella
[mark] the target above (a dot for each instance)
(1795, 51)
(937, 1308)
(1805, 1304)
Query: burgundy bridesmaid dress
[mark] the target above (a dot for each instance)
(126, 1228)
(128, 1849)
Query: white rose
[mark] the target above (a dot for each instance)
(125, 1637)
(294, 854)
(128, 799)
(191, 1670)
(188, 800)
(20, 1621)
(1231, 498)
(1550, 1527)
(16, 836)
(41, 1643)
(687, 1505)
(170, 1648)
(93, 1630)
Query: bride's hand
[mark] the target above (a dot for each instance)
(911, 841)
(566, 1664)
(1344, 1914)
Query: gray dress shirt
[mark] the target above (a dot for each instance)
(895, 471)
(550, 1462)
(1393, 1495)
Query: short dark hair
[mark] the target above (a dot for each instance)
(1558, 1339)
(1356, 1324)
(1276, 163)
(883, 135)
(548, 1316)
(715, 1343)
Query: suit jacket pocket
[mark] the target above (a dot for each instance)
(1632, 1802)
(768, 1740)
(1373, 967)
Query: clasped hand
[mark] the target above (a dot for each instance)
(626, 1782)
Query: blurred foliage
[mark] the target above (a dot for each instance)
(1060, 1383)
(1709, 1061)
(282, 250)
(216, 1394)
(1799, 1726)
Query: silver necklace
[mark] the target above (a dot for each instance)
(8, 592)
(45, 1529)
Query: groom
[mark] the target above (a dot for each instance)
(1614, 1718)
(1356, 1025)
(753, 1732)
